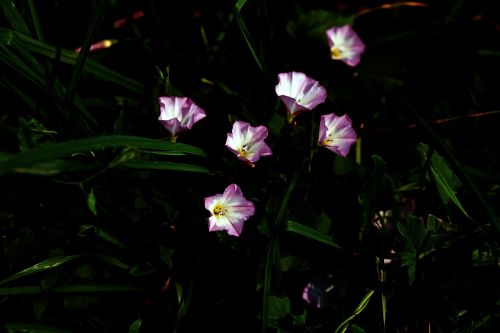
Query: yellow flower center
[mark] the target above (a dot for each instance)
(335, 53)
(329, 140)
(220, 211)
(244, 151)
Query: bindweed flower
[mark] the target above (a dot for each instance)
(336, 133)
(229, 210)
(178, 114)
(299, 93)
(345, 44)
(247, 142)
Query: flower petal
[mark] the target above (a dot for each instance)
(299, 92)
(229, 210)
(336, 133)
(247, 142)
(345, 44)
(178, 114)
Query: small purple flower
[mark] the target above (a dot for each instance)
(178, 114)
(247, 142)
(229, 210)
(336, 133)
(299, 93)
(345, 44)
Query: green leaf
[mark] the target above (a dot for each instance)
(35, 21)
(310, 233)
(29, 328)
(14, 17)
(361, 306)
(250, 42)
(10, 37)
(446, 190)
(162, 165)
(91, 202)
(58, 150)
(446, 181)
(271, 259)
(70, 289)
(135, 327)
(300, 320)
(40, 267)
(97, 17)
(279, 307)
(356, 329)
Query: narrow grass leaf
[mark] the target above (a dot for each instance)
(266, 290)
(362, 305)
(84, 51)
(14, 17)
(239, 5)
(41, 267)
(163, 165)
(31, 328)
(59, 150)
(310, 233)
(70, 289)
(9, 37)
(35, 21)
(250, 42)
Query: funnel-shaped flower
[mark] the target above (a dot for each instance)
(345, 44)
(247, 142)
(178, 114)
(229, 210)
(336, 133)
(299, 93)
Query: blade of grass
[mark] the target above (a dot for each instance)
(35, 20)
(162, 165)
(266, 289)
(40, 267)
(71, 289)
(28, 73)
(31, 328)
(310, 233)
(84, 51)
(58, 150)
(12, 38)
(14, 17)
(250, 42)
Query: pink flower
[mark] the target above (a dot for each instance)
(178, 114)
(345, 44)
(229, 210)
(299, 93)
(247, 142)
(336, 133)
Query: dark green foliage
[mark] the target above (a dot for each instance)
(103, 226)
